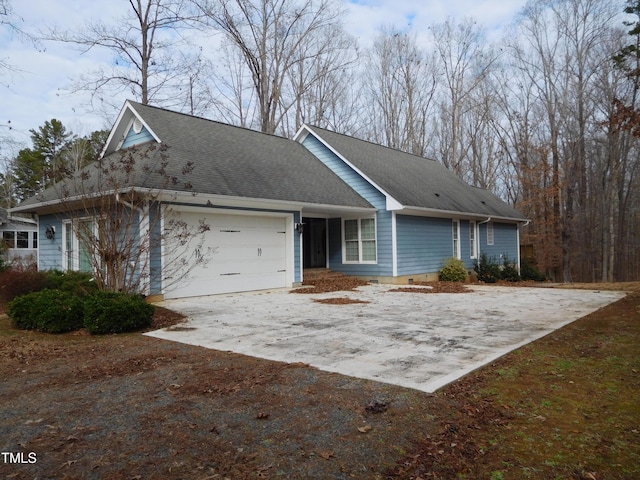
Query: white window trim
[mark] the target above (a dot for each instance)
(31, 234)
(455, 238)
(75, 241)
(473, 242)
(490, 233)
(344, 242)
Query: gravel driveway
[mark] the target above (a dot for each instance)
(416, 340)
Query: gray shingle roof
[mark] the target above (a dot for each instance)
(416, 181)
(241, 162)
(234, 161)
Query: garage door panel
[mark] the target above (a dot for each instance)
(249, 253)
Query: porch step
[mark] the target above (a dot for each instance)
(311, 275)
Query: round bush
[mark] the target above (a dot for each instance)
(22, 313)
(78, 283)
(453, 271)
(50, 311)
(109, 312)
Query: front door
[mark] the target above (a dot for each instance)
(314, 242)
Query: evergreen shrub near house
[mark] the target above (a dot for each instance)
(78, 283)
(487, 269)
(110, 312)
(530, 272)
(453, 271)
(509, 270)
(51, 311)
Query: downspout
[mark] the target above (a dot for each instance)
(478, 236)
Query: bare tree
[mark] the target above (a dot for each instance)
(400, 83)
(115, 221)
(465, 61)
(274, 37)
(144, 43)
(318, 81)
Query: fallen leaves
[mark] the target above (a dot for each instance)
(326, 454)
(434, 287)
(338, 301)
(365, 429)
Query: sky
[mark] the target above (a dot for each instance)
(37, 89)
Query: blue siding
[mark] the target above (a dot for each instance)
(155, 249)
(505, 241)
(384, 265)
(132, 138)
(345, 172)
(50, 251)
(423, 243)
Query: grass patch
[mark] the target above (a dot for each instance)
(566, 406)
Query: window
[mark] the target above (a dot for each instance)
(9, 239)
(22, 240)
(456, 238)
(472, 240)
(35, 240)
(490, 233)
(77, 247)
(359, 240)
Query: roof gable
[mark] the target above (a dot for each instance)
(130, 129)
(414, 182)
(213, 158)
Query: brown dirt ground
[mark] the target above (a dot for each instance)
(134, 407)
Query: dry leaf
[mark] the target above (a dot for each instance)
(326, 454)
(365, 429)
(262, 416)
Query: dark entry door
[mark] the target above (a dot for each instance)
(314, 242)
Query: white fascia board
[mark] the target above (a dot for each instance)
(50, 205)
(209, 200)
(301, 134)
(434, 212)
(392, 203)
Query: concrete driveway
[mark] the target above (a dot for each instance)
(416, 340)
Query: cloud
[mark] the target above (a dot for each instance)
(39, 91)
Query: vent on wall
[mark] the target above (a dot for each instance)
(137, 125)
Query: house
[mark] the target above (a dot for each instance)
(19, 238)
(276, 206)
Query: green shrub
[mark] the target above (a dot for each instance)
(530, 272)
(509, 270)
(78, 283)
(22, 313)
(108, 312)
(487, 269)
(51, 311)
(453, 271)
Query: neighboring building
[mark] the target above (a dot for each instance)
(276, 206)
(19, 238)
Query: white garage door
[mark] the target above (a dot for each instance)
(246, 253)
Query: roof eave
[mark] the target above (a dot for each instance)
(213, 200)
(438, 213)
